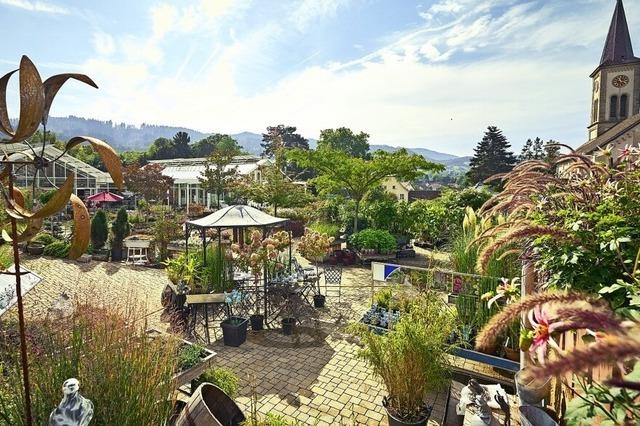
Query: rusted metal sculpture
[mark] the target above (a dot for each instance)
(36, 98)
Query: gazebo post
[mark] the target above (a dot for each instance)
(186, 238)
(290, 254)
(220, 259)
(266, 314)
(203, 232)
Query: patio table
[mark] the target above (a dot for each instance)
(200, 305)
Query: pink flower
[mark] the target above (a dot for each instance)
(543, 328)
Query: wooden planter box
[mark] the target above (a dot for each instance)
(185, 377)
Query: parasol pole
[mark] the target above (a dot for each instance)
(23, 342)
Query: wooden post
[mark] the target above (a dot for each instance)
(528, 286)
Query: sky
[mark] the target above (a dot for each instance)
(429, 74)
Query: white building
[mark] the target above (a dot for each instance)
(186, 172)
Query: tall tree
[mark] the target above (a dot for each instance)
(532, 150)
(551, 150)
(343, 139)
(181, 146)
(206, 146)
(216, 177)
(283, 138)
(161, 149)
(341, 173)
(492, 156)
(147, 181)
(275, 189)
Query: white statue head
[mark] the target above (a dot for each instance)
(70, 386)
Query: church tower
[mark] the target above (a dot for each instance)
(616, 81)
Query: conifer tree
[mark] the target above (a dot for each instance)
(492, 155)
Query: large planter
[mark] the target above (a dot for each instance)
(257, 322)
(512, 354)
(186, 376)
(395, 421)
(318, 301)
(531, 392)
(288, 326)
(210, 406)
(35, 248)
(234, 331)
(117, 253)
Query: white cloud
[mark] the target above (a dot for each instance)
(103, 43)
(36, 6)
(307, 11)
(163, 18)
(405, 93)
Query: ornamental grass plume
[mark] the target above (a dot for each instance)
(513, 236)
(488, 336)
(607, 349)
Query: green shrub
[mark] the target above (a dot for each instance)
(58, 249)
(331, 229)
(45, 238)
(46, 196)
(377, 239)
(99, 230)
(120, 227)
(223, 378)
(271, 420)
(382, 298)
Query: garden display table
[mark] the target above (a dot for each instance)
(200, 307)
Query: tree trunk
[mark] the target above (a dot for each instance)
(218, 200)
(275, 210)
(355, 218)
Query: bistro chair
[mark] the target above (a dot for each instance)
(333, 282)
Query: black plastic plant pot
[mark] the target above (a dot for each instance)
(288, 325)
(396, 421)
(257, 322)
(234, 331)
(318, 301)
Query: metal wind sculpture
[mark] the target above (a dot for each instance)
(36, 98)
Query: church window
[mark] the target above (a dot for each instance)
(613, 109)
(624, 106)
(595, 110)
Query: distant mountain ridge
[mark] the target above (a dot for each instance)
(124, 136)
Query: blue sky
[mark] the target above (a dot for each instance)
(429, 74)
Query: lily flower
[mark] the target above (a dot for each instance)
(543, 328)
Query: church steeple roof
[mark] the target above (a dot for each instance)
(618, 49)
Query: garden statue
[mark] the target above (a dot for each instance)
(74, 409)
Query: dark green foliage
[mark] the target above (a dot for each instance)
(99, 230)
(223, 378)
(376, 239)
(120, 227)
(58, 249)
(282, 138)
(206, 146)
(45, 238)
(492, 156)
(537, 149)
(343, 139)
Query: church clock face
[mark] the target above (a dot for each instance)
(620, 81)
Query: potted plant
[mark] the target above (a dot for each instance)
(412, 359)
(99, 235)
(314, 245)
(288, 325)
(120, 229)
(234, 328)
(259, 257)
(34, 248)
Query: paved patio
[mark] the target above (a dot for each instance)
(314, 376)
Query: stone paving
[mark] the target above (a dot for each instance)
(314, 376)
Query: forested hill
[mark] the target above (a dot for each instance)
(122, 136)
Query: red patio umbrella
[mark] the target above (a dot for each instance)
(105, 197)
